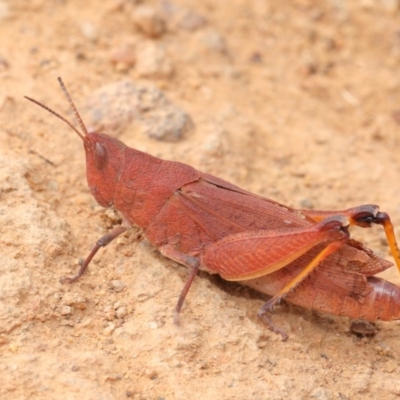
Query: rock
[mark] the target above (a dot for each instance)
(213, 41)
(124, 55)
(109, 313)
(116, 106)
(117, 286)
(120, 313)
(66, 311)
(190, 21)
(152, 62)
(109, 329)
(74, 300)
(149, 21)
(89, 31)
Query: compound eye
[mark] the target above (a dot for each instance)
(100, 156)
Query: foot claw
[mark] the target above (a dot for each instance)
(74, 278)
(263, 315)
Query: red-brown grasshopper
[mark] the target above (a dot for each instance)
(204, 222)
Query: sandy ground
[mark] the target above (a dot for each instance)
(294, 100)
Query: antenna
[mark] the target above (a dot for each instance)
(72, 105)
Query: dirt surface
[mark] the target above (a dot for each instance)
(294, 100)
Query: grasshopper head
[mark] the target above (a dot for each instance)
(104, 157)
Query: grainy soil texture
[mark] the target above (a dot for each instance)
(298, 101)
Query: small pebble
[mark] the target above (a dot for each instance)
(109, 329)
(114, 377)
(89, 31)
(4, 64)
(152, 62)
(214, 41)
(191, 21)
(66, 311)
(306, 203)
(113, 215)
(149, 21)
(124, 55)
(384, 350)
(117, 285)
(153, 325)
(151, 374)
(109, 313)
(74, 300)
(120, 313)
(390, 366)
(118, 304)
